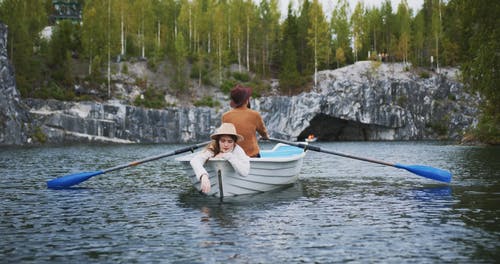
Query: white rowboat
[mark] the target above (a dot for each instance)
(276, 168)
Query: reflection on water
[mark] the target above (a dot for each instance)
(341, 210)
(433, 193)
(223, 210)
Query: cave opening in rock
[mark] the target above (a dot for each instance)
(328, 128)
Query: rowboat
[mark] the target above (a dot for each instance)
(277, 168)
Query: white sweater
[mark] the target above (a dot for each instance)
(238, 159)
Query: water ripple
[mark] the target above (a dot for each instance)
(341, 210)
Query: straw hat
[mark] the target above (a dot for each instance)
(226, 129)
(239, 94)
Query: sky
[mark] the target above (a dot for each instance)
(328, 5)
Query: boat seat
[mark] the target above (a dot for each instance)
(281, 151)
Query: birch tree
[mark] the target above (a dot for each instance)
(436, 28)
(93, 35)
(318, 36)
(357, 29)
(403, 20)
(341, 32)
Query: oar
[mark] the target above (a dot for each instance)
(421, 170)
(74, 179)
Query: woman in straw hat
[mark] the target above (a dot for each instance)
(247, 121)
(223, 146)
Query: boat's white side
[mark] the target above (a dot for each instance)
(277, 168)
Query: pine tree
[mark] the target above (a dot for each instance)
(481, 66)
(341, 31)
(318, 36)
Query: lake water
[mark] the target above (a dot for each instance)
(341, 210)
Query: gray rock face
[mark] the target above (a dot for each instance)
(114, 122)
(364, 101)
(14, 118)
(360, 103)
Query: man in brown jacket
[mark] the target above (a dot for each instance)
(246, 120)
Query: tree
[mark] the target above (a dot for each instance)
(269, 31)
(436, 28)
(238, 8)
(289, 74)
(341, 31)
(418, 40)
(220, 38)
(374, 31)
(63, 43)
(387, 27)
(179, 79)
(318, 36)
(25, 20)
(481, 67)
(305, 55)
(94, 39)
(340, 57)
(403, 20)
(357, 21)
(453, 48)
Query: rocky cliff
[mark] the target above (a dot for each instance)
(114, 122)
(14, 116)
(372, 101)
(364, 101)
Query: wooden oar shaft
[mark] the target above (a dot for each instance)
(355, 157)
(73, 179)
(421, 170)
(318, 149)
(138, 162)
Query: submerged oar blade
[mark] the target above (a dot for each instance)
(70, 180)
(428, 172)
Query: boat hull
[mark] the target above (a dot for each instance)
(277, 168)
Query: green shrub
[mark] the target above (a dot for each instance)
(125, 68)
(152, 64)
(207, 101)
(488, 128)
(153, 98)
(39, 136)
(402, 100)
(424, 75)
(241, 76)
(227, 85)
(54, 91)
(259, 88)
(143, 83)
(440, 128)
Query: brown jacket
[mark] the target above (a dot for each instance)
(247, 123)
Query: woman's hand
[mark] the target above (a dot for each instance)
(205, 183)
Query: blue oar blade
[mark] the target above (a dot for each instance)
(428, 172)
(73, 179)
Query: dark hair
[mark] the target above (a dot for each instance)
(214, 145)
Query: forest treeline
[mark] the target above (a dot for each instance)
(210, 35)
